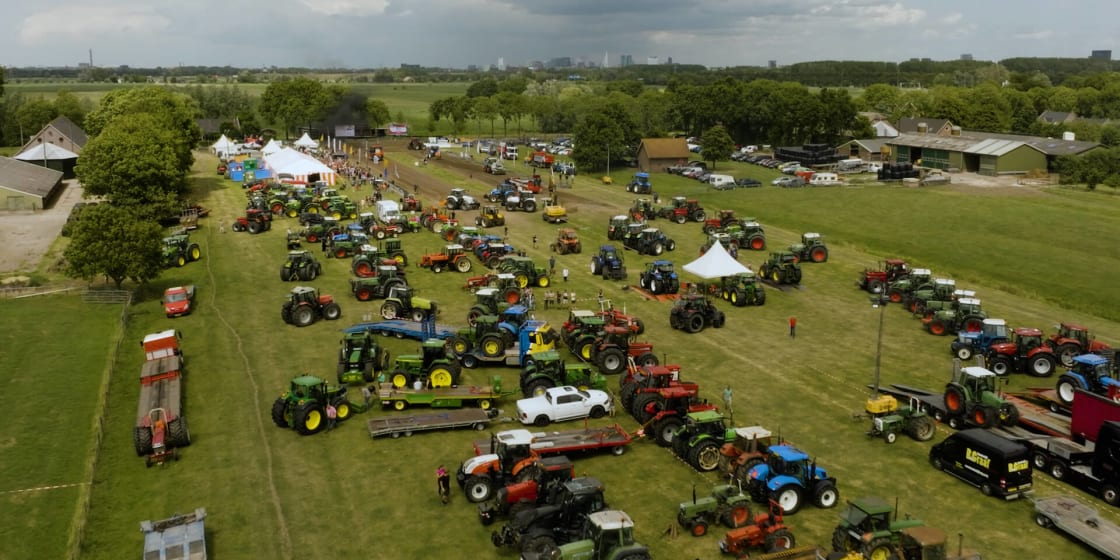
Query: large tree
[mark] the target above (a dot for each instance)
(716, 144)
(293, 102)
(377, 112)
(114, 241)
(132, 162)
(598, 137)
(173, 112)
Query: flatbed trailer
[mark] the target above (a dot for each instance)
(160, 427)
(511, 357)
(1036, 419)
(396, 426)
(1080, 522)
(613, 438)
(180, 536)
(1046, 396)
(441, 397)
(402, 328)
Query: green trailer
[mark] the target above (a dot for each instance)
(399, 398)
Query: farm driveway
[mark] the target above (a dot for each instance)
(25, 236)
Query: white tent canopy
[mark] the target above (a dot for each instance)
(299, 165)
(45, 151)
(715, 263)
(223, 145)
(305, 141)
(271, 147)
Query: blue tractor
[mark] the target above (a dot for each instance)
(640, 184)
(971, 343)
(789, 477)
(608, 264)
(660, 277)
(1090, 372)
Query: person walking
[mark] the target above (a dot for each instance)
(793, 327)
(565, 274)
(443, 484)
(551, 265)
(727, 399)
(332, 416)
(534, 242)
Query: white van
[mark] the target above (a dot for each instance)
(824, 180)
(388, 211)
(721, 181)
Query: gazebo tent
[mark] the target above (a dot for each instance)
(300, 166)
(224, 147)
(271, 147)
(305, 141)
(50, 156)
(715, 263)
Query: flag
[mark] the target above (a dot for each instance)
(396, 172)
(385, 174)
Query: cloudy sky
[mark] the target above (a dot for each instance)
(457, 33)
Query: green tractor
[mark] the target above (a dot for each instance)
(888, 419)
(490, 301)
(525, 271)
(347, 244)
(301, 265)
(304, 306)
(434, 367)
(328, 227)
(484, 334)
(811, 249)
(304, 405)
(339, 207)
(747, 233)
(379, 285)
(781, 268)
(727, 504)
(401, 304)
(972, 398)
(964, 315)
(360, 358)
(545, 369)
(178, 250)
(934, 295)
(871, 527)
(900, 290)
(699, 440)
(607, 535)
(368, 258)
(742, 289)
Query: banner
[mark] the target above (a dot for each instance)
(398, 129)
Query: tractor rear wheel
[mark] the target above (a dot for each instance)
(921, 428)
(840, 540)
(758, 243)
(818, 254)
(463, 265)
(309, 418)
(538, 543)
(875, 286)
(694, 323)
(178, 435)
(142, 440)
(759, 295)
(1066, 386)
(364, 294)
(680, 218)
(441, 376)
(983, 416)
(612, 361)
(492, 345)
(303, 316)
(878, 549)
(894, 296)
(646, 406)
(780, 540)
(418, 315)
(537, 387)
(522, 280)
(647, 359)
(194, 253)
(665, 429)
(280, 413)
(1066, 352)
(332, 311)
(596, 266)
(737, 298)
(254, 227)
(738, 516)
(954, 400)
(584, 346)
(704, 456)
(390, 310)
(1008, 415)
(657, 249)
(639, 326)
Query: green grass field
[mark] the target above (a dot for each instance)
(271, 493)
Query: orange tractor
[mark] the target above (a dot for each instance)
(453, 256)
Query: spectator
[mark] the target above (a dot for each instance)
(565, 273)
(793, 327)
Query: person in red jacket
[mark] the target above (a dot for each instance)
(793, 327)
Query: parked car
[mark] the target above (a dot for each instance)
(747, 182)
(563, 403)
(790, 181)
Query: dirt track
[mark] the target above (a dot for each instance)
(25, 236)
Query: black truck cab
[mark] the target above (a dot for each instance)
(995, 465)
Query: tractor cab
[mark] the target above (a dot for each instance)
(308, 388)
(299, 257)
(514, 317)
(642, 209)
(1027, 339)
(609, 530)
(978, 380)
(663, 267)
(616, 227)
(366, 219)
(656, 377)
(810, 239)
(895, 269)
(512, 447)
(679, 202)
(608, 252)
(968, 306)
(403, 294)
(726, 218)
(453, 250)
(721, 238)
(706, 422)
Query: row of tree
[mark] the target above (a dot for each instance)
(136, 162)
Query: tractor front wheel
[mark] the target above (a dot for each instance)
(789, 497)
(1000, 365)
(1042, 365)
(332, 311)
(780, 540)
(308, 418)
(390, 310)
(878, 549)
(280, 413)
(704, 457)
(665, 429)
(826, 495)
(612, 361)
(479, 488)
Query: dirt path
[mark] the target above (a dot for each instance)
(25, 236)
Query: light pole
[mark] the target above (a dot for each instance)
(880, 301)
(608, 160)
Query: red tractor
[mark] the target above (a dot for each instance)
(766, 530)
(876, 281)
(665, 409)
(537, 485)
(1072, 340)
(725, 218)
(750, 447)
(409, 203)
(1025, 352)
(682, 210)
(613, 316)
(254, 221)
(614, 345)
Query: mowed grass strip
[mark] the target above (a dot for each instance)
(341, 493)
(55, 350)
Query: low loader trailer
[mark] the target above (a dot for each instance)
(396, 426)
(1079, 521)
(611, 438)
(442, 397)
(402, 328)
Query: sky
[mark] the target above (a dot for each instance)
(459, 33)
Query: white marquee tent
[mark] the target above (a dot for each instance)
(305, 141)
(224, 146)
(715, 263)
(300, 166)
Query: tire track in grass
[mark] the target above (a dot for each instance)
(285, 536)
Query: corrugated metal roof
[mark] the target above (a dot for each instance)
(994, 147)
(657, 148)
(28, 178)
(948, 143)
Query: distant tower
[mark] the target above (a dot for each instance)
(501, 63)
(606, 60)
(966, 56)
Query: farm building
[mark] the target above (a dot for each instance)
(658, 154)
(26, 186)
(951, 148)
(870, 149)
(61, 132)
(52, 157)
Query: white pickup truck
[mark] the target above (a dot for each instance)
(563, 403)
